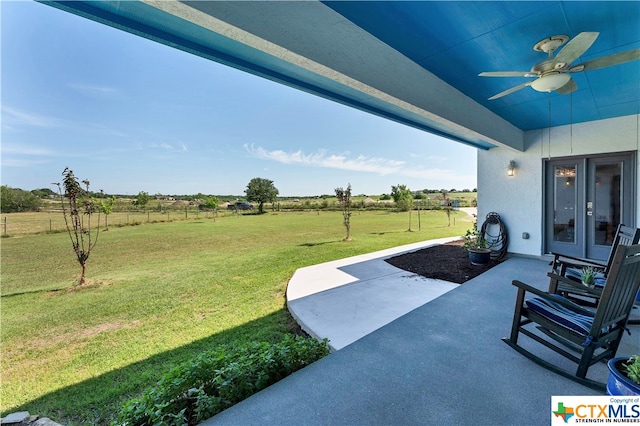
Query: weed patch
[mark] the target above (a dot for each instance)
(216, 380)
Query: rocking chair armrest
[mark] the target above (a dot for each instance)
(577, 262)
(529, 288)
(522, 287)
(595, 291)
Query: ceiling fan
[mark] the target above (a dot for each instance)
(554, 73)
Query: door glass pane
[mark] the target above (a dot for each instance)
(564, 203)
(607, 201)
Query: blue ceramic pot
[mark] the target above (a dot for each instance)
(479, 257)
(618, 383)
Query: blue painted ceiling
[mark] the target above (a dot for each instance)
(458, 40)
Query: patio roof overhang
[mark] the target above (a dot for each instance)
(415, 63)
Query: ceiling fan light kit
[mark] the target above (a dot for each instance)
(550, 82)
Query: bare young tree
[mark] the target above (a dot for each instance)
(446, 205)
(344, 199)
(78, 209)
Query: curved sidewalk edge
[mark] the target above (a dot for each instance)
(346, 299)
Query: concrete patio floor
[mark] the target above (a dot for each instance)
(441, 362)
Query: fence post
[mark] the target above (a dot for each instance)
(5, 225)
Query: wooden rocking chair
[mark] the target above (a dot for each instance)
(591, 336)
(565, 268)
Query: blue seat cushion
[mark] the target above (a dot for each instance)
(561, 315)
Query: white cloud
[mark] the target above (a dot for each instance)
(13, 117)
(23, 163)
(320, 158)
(25, 150)
(89, 89)
(179, 146)
(361, 163)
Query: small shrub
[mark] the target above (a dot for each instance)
(218, 379)
(633, 368)
(588, 276)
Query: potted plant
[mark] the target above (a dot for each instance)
(476, 245)
(588, 276)
(624, 376)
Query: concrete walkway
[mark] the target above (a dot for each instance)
(440, 363)
(347, 299)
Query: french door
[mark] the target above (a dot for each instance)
(586, 198)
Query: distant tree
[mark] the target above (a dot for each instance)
(344, 200)
(385, 197)
(446, 204)
(43, 193)
(142, 199)
(106, 207)
(261, 191)
(17, 200)
(403, 197)
(78, 209)
(211, 202)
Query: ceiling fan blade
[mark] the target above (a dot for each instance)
(576, 47)
(513, 89)
(607, 61)
(571, 86)
(508, 74)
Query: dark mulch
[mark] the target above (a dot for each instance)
(448, 262)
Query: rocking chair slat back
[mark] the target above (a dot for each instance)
(625, 236)
(622, 284)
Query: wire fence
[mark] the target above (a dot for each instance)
(52, 221)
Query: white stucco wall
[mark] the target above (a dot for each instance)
(518, 199)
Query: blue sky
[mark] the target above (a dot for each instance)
(132, 115)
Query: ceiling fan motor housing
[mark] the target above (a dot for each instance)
(548, 45)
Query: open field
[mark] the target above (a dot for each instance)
(161, 293)
(50, 220)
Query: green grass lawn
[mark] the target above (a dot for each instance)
(160, 294)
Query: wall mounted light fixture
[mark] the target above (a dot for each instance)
(511, 169)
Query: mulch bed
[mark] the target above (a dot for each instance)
(448, 262)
